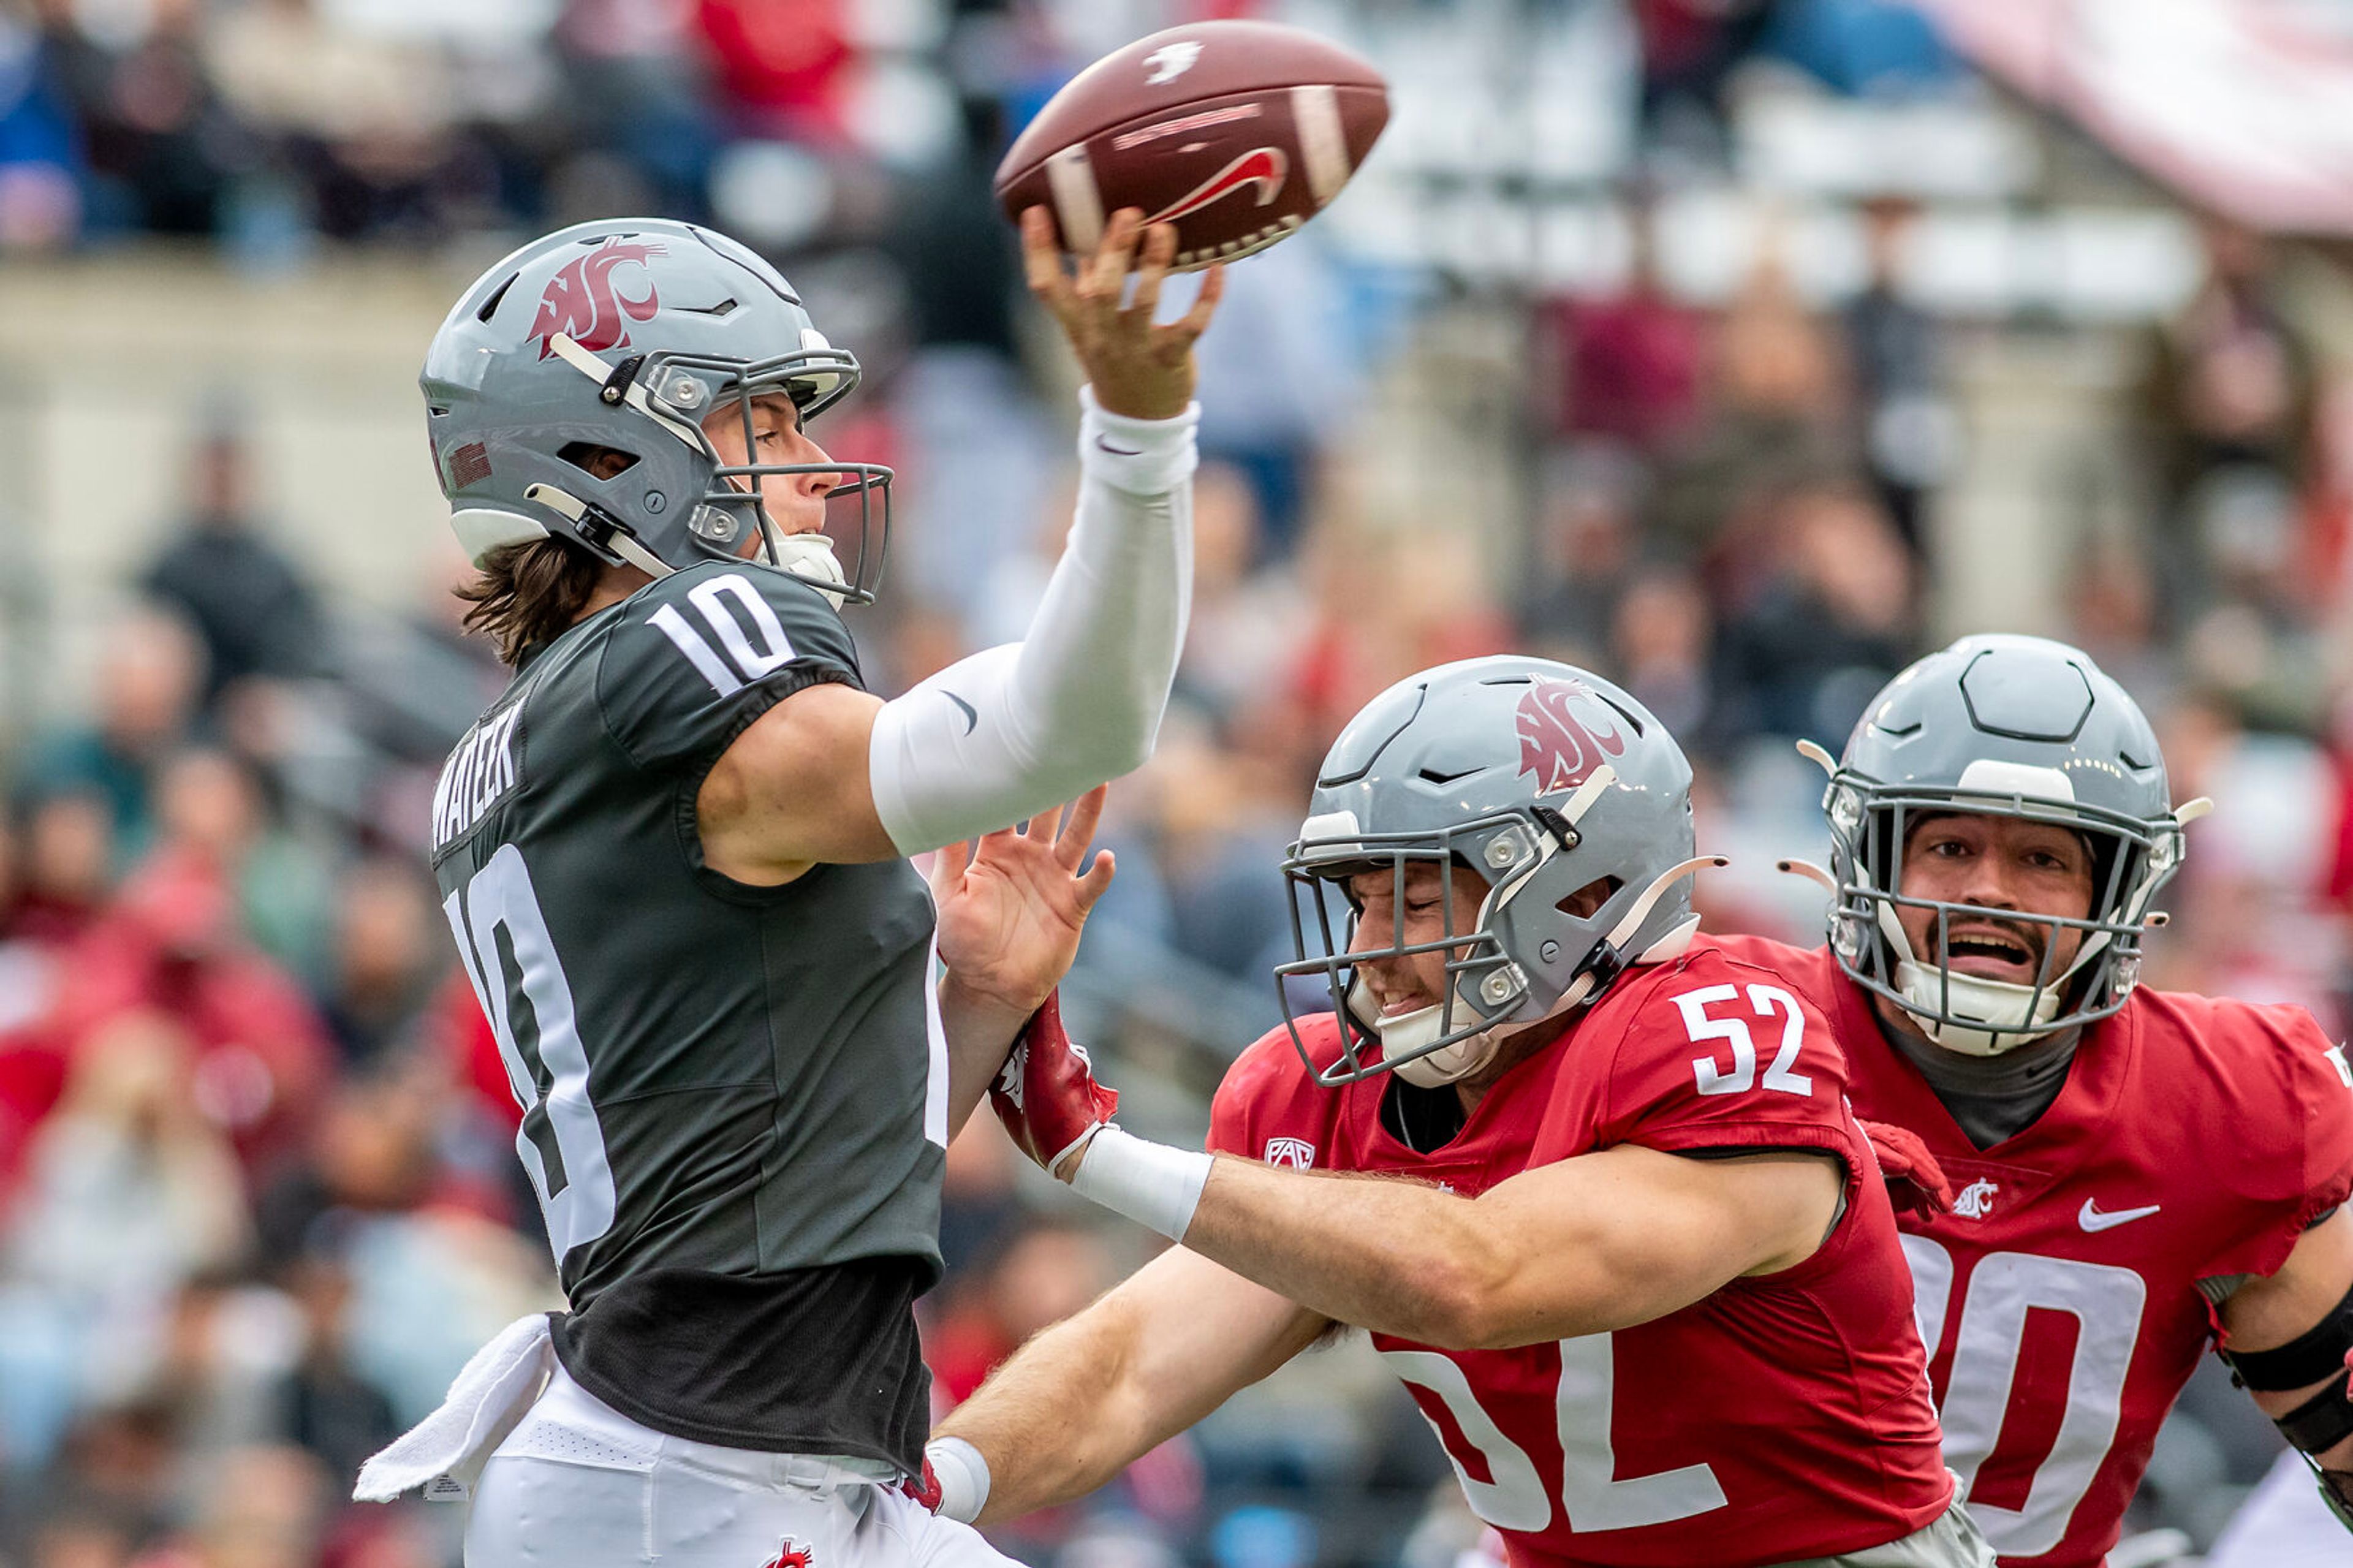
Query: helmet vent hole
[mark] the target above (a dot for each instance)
(1635, 724)
(1587, 902)
(489, 306)
(719, 312)
(597, 462)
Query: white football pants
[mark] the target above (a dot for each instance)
(579, 1485)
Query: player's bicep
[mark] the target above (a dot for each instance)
(793, 790)
(1201, 1334)
(1628, 1234)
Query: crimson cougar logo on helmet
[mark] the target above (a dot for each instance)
(582, 301)
(1559, 748)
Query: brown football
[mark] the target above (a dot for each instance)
(1237, 132)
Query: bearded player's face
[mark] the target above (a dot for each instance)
(795, 501)
(1996, 864)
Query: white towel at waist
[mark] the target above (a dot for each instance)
(445, 1452)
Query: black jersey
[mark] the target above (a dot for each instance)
(736, 1097)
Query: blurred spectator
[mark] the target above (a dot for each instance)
(783, 62)
(149, 673)
(1630, 364)
(171, 945)
(41, 142)
(1772, 421)
(1660, 646)
(1897, 366)
(1587, 544)
(160, 148)
(209, 808)
(1831, 624)
(326, 1405)
(1277, 379)
(2230, 395)
(363, 122)
(389, 962)
(240, 592)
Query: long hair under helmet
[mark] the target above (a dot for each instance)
(626, 335)
(1547, 782)
(2016, 727)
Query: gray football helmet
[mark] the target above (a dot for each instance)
(2004, 726)
(629, 334)
(1542, 779)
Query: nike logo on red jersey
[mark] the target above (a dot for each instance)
(2090, 1218)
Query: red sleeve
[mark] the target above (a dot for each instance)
(1237, 1115)
(1270, 1107)
(1717, 1054)
(2294, 1159)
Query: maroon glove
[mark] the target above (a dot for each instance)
(925, 1489)
(1046, 1094)
(1915, 1183)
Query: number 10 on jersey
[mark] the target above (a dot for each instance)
(503, 941)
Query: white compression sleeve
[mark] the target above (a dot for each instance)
(1012, 730)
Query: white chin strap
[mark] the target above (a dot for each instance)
(1412, 1031)
(810, 558)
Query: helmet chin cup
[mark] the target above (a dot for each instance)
(1412, 1031)
(810, 558)
(1415, 1031)
(1944, 1004)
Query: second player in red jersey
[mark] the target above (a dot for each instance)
(2135, 1173)
(1641, 1273)
(1816, 1435)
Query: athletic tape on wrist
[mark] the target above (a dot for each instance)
(1155, 1185)
(963, 1475)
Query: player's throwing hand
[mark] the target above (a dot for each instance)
(1136, 367)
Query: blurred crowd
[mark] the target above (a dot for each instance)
(258, 1194)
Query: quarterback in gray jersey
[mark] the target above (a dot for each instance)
(673, 855)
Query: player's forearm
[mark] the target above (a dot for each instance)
(980, 1031)
(1011, 731)
(1062, 1417)
(1391, 1256)
(1576, 1247)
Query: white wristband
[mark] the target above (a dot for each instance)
(1151, 1183)
(963, 1476)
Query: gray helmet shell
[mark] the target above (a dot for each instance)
(1542, 779)
(629, 334)
(2007, 726)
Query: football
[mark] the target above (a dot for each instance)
(1238, 132)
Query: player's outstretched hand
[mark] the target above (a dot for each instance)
(1046, 1094)
(1011, 905)
(1137, 367)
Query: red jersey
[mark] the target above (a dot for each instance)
(1782, 1417)
(2194, 1138)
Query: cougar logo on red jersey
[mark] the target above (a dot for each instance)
(1265, 167)
(1559, 744)
(582, 301)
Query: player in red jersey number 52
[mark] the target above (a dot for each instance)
(1641, 1273)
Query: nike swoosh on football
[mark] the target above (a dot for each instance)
(971, 714)
(2090, 1218)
